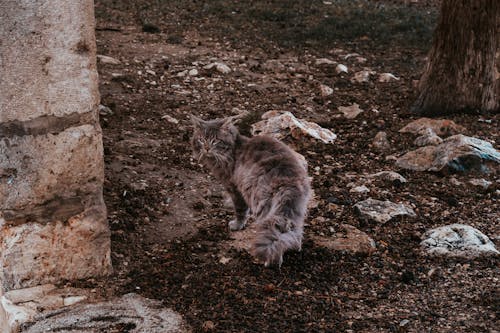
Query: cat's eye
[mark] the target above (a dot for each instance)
(221, 145)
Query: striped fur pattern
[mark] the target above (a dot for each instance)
(264, 177)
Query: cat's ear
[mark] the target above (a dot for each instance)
(197, 122)
(229, 121)
(232, 120)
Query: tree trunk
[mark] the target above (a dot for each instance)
(460, 75)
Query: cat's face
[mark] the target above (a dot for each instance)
(213, 140)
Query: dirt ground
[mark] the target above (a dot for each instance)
(168, 216)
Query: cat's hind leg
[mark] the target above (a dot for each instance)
(240, 209)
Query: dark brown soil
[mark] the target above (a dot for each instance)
(168, 216)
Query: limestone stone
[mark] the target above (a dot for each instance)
(457, 153)
(325, 90)
(351, 111)
(361, 189)
(349, 239)
(380, 142)
(387, 77)
(29, 294)
(4, 323)
(325, 61)
(34, 253)
(219, 67)
(43, 166)
(107, 60)
(282, 124)
(457, 240)
(47, 62)
(438, 126)
(131, 311)
(363, 76)
(480, 182)
(23, 305)
(389, 177)
(428, 138)
(382, 211)
(341, 69)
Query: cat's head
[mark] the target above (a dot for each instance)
(213, 140)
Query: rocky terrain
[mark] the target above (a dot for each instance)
(370, 260)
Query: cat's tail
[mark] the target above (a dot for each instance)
(275, 236)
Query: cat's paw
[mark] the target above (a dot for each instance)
(276, 262)
(236, 225)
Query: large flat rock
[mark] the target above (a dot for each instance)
(349, 239)
(130, 313)
(457, 240)
(280, 124)
(438, 126)
(458, 153)
(382, 211)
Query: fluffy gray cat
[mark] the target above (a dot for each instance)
(263, 176)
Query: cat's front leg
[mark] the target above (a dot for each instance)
(240, 209)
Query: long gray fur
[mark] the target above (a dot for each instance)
(262, 175)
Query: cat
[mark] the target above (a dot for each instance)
(264, 177)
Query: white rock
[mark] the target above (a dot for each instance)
(341, 69)
(130, 310)
(381, 211)
(182, 73)
(350, 55)
(104, 110)
(455, 182)
(224, 260)
(428, 138)
(350, 112)
(108, 60)
(362, 189)
(456, 153)
(325, 61)
(23, 305)
(380, 141)
(280, 124)
(362, 76)
(12, 316)
(325, 90)
(457, 240)
(219, 67)
(441, 127)
(170, 119)
(480, 183)
(193, 72)
(387, 77)
(389, 176)
(71, 300)
(29, 294)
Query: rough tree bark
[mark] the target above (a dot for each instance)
(460, 75)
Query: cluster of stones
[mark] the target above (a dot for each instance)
(456, 153)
